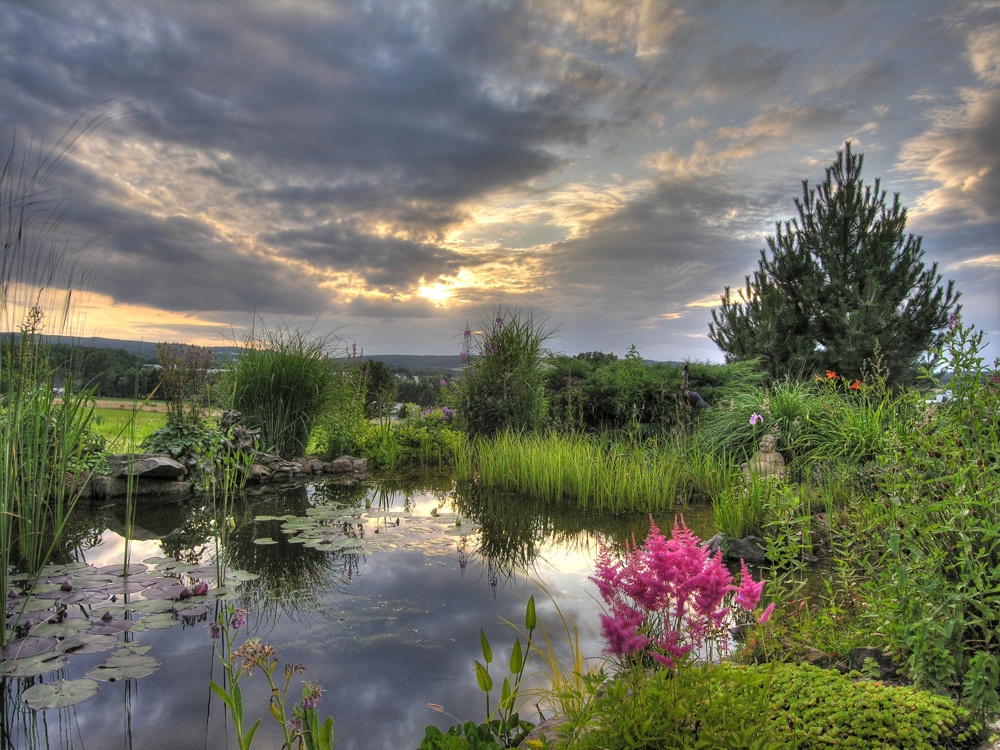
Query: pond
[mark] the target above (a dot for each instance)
(379, 588)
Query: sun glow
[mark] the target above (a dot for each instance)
(437, 292)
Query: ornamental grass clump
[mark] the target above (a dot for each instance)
(670, 599)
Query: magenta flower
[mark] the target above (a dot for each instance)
(749, 590)
(669, 597)
(766, 614)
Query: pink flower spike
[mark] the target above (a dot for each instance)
(749, 590)
(766, 614)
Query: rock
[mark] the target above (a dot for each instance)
(545, 728)
(750, 549)
(817, 658)
(107, 488)
(347, 465)
(153, 466)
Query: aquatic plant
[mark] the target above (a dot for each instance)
(43, 421)
(301, 723)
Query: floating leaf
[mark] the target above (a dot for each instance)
(124, 667)
(264, 540)
(33, 666)
(60, 694)
(88, 643)
(111, 627)
(30, 646)
(160, 621)
(62, 629)
(119, 570)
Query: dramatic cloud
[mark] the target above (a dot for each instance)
(391, 170)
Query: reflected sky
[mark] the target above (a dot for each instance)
(385, 632)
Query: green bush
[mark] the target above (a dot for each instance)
(934, 567)
(283, 382)
(502, 383)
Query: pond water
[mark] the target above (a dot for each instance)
(380, 592)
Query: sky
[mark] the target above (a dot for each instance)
(387, 172)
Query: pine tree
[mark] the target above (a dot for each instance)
(838, 287)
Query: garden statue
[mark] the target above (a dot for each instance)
(766, 461)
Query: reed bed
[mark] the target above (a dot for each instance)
(590, 472)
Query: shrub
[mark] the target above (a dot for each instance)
(282, 382)
(502, 383)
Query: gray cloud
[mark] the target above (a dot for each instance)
(272, 151)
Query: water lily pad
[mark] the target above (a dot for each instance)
(88, 643)
(119, 570)
(33, 666)
(124, 667)
(264, 540)
(153, 606)
(86, 598)
(94, 581)
(60, 694)
(159, 621)
(191, 610)
(111, 627)
(34, 604)
(61, 629)
(30, 646)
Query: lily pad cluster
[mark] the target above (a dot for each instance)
(354, 530)
(79, 609)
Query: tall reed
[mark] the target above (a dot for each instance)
(43, 420)
(588, 471)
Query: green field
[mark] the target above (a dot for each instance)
(125, 426)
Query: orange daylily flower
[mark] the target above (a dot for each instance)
(830, 375)
(855, 386)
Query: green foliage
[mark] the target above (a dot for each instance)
(837, 285)
(589, 471)
(502, 383)
(283, 382)
(44, 423)
(813, 707)
(765, 706)
(934, 580)
(711, 706)
(468, 736)
(380, 388)
(503, 727)
(186, 442)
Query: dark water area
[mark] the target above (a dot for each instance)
(384, 612)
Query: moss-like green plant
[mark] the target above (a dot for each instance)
(816, 708)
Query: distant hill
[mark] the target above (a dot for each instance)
(147, 351)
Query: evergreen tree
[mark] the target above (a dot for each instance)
(838, 287)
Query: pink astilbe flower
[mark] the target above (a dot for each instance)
(749, 590)
(766, 614)
(669, 597)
